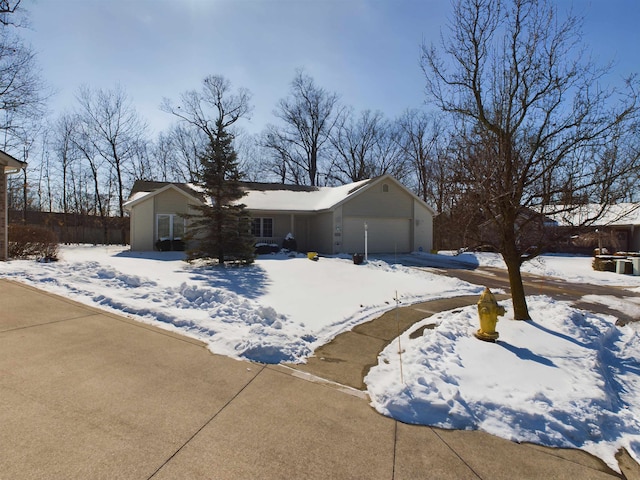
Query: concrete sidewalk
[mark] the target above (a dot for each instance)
(88, 395)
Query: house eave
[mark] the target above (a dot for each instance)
(281, 212)
(11, 165)
(128, 205)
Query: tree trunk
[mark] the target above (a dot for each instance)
(518, 299)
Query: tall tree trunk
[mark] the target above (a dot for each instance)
(518, 299)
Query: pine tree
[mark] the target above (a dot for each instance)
(222, 231)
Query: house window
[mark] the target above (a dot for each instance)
(170, 226)
(262, 227)
(385, 187)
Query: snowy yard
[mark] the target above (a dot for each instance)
(568, 378)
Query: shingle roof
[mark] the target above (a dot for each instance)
(147, 186)
(614, 215)
(266, 196)
(282, 198)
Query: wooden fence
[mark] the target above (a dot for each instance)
(76, 228)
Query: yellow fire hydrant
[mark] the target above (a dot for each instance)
(488, 311)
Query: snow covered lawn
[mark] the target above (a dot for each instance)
(568, 378)
(278, 310)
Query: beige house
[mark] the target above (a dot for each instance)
(328, 220)
(8, 165)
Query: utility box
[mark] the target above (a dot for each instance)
(635, 261)
(624, 266)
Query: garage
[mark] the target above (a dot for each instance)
(385, 235)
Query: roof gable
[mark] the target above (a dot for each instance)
(273, 196)
(144, 190)
(368, 184)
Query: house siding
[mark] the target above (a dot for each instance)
(423, 228)
(321, 233)
(170, 202)
(142, 227)
(143, 217)
(301, 231)
(390, 214)
(377, 203)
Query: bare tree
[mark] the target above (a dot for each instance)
(62, 147)
(182, 146)
(84, 143)
(390, 155)
(251, 157)
(308, 117)
(115, 130)
(354, 142)
(214, 102)
(10, 13)
(529, 108)
(23, 94)
(420, 135)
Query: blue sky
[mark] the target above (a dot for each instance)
(365, 50)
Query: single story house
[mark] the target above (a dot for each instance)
(575, 229)
(327, 220)
(8, 165)
(614, 227)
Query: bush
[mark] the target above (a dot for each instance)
(603, 265)
(265, 248)
(30, 241)
(176, 245)
(290, 243)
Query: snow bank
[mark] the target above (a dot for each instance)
(568, 378)
(278, 310)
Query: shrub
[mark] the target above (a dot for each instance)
(603, 265)
(290, 243)
(30, 241)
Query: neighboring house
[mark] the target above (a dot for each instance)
(616, 228)
(327, 220)
(579, 229)
(8, 165)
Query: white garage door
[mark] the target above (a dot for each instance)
(384, 235)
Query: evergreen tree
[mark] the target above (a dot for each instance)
(222, 230)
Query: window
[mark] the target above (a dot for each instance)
(385, 187)
(262, 227)
(169, 226)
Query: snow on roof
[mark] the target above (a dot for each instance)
(136, 196)
(268, 197)
(142, 189)
(299, 201)
(614, 215)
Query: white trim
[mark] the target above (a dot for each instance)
(261, 233)
(142, 196)
(172, 220)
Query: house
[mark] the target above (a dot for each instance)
(327, 220)
(614, 227)
(576, 228)
(8, 165)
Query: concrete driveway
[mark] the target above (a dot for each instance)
(89, 395)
